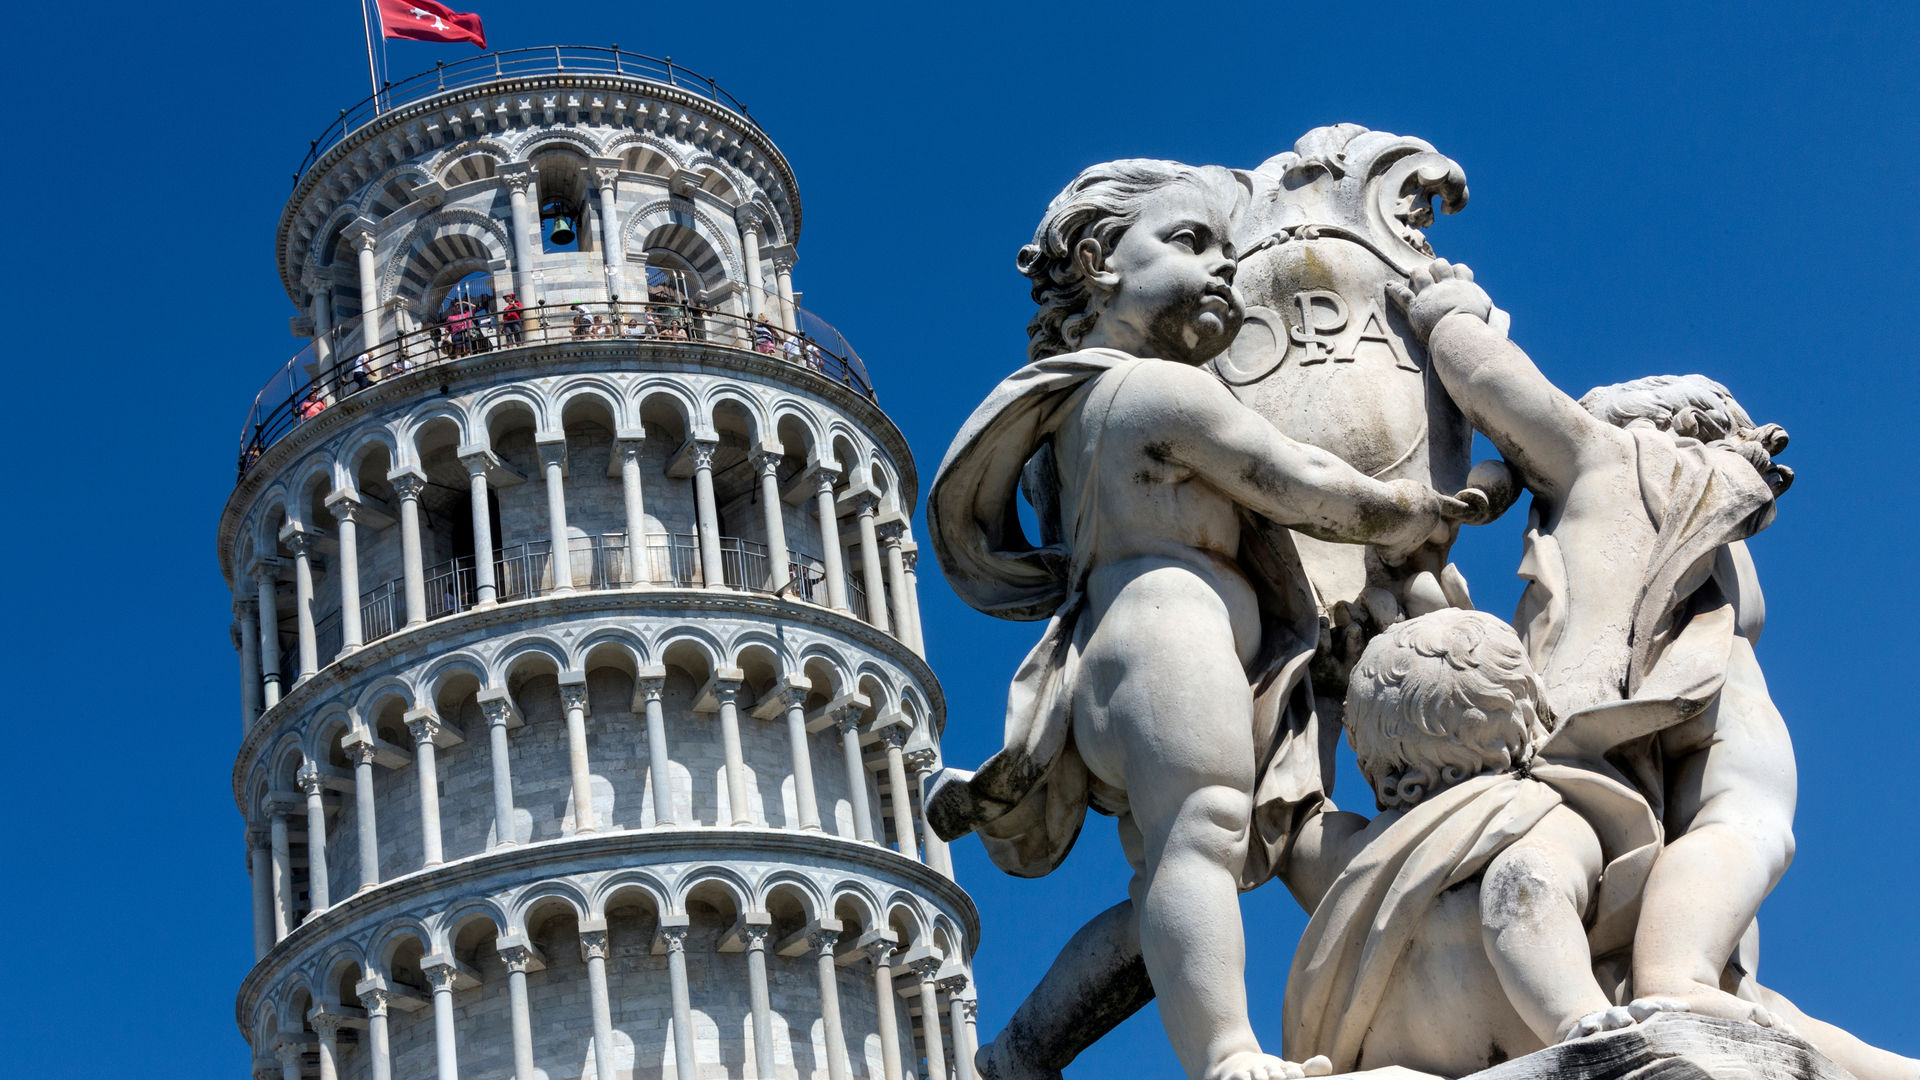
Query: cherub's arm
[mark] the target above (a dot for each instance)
(1322, 847)
(1199, 424)
(1532, 899)
(1537, 426)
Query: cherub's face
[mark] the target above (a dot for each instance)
(1174, 298)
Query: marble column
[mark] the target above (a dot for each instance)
(244, 613)
(522, 189)
(750, 255)
(629, 451)
(361, 235)
(301, 544)
(606, 177)
(794, 700)
(260, 869)
(378, 1003)
(713, 573)
(502, 717)
(347, 529)
(970, 1012)
(830, 551)
(486, 592)
(327, 1026)
(924, 762)
(760, 1002)
(425, 727)
(553, 457)
(904, 841)
(593, 950)
(269, 604)
(727, 693)
(282, 873)
(684, 1063)
(573, 699)
(361, 751)
(880, 951)
(849, 725)
(315, 787)
(909, 558)
(823, 943)
(659, 765)
(891, 534)
(408, 486)
(926, 967)
(865, 506)
(779, 575)
(956, 1020)
(789, 311)
(290, 1053)
(445, 1048)
(520, 959)
(319, 288)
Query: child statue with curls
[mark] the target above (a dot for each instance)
(1169, 686)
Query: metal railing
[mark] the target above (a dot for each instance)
(513, 64)
(338, 366)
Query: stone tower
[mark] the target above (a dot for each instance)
(585, 715)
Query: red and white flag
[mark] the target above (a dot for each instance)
(428, 20)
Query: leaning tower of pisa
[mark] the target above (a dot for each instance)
(585, 719)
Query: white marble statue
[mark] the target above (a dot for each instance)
(1168, 687)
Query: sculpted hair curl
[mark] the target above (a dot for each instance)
(1440, 698)
(1693, 407)
(1103, 202)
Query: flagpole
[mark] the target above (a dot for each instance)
(373, 72)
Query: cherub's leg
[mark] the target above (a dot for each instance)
(1734, 797)
(1187, 732)
(1863, 1061)
(1097, 981)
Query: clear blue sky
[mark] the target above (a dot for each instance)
(1727, 189)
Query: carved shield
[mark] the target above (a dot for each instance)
(1325, 355)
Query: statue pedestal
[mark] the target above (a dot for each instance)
(1671, 1046)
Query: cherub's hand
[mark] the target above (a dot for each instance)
(1429, 518)
(1620, 1016)
(1439, 289)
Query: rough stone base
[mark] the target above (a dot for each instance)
(1675, 1046)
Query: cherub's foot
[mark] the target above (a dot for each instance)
(1620, 1016)
(1253, 1065)
(1713, 1001)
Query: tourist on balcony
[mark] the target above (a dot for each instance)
(360, 374)
(641, 326)
(813, 357)
(790, 349)
(313, 403)
(763, 337)
(582, 325)
(601, 327)
(511, 330)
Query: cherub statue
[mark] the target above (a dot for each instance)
(1169, 687)
(1475, 918)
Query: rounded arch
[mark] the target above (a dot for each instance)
(821, 660)
(574, 393)
(442, 165)
(906, 920)
(711, 878)
(629, 885)
(855, 905)
(530, 655)
(688, 232)
(418, 425)
(547, 140)
(340, 970)
(447, 237)
(693, 649)
(534, 903)
(784, 890)
(735, 399)
(326, 238)
(440, 674)
(323, 733)
(358, 446)
(614, 647)
(501, 403)
(387, 941)
(457, 916)
(796, 429)
(393, 190)
(314, 476)
(650, 396)
(643, 152)
(877, 683)
(383, 690)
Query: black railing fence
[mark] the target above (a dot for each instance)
(514, 64)
(339, 365)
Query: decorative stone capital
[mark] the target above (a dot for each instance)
(310, 780)
(652, 687)
(343, 506)
(969, 1009)
(300, 543)
(440, 976)
(606, 177)
(848, 721)
(244, 610)
(895, 735)
(593, 944)
(750, 218)
(362, 233)
(376, 1000)
(865, 503)
(518, 177)
(360, 752)
(726, 692)
(953, 983)
(756, 937)
(423, 726)
(499, 712)
(258, 838)
(823, 480)
(767, 462)
(791, 695)
(573, 695)
(264, 569)
(823, 940)
(926, 967)
(327, 1025)
(409, 485)
(892, 532)
(701, 452)
(911, 557)
(880, 951)
(289, 1052)
(265, 1068)
(517, 958)
(675, 938)
(922, 761)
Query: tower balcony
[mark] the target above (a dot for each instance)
(505, 69)
(339, 364)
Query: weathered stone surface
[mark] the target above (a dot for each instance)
(1676, 1046)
